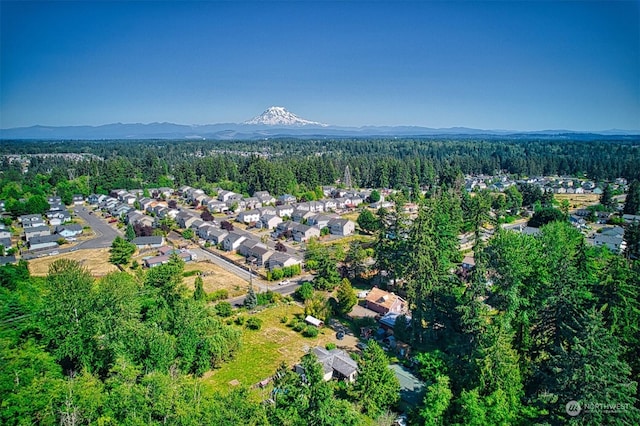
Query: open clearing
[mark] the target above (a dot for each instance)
(95, 260)
(215, 278)
(264, 350)
(579, 201)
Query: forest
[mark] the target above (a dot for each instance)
(300, 166)
(541, 321)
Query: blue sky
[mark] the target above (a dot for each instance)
(494, 65)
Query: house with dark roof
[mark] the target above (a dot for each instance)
(341, 227)
(232, 241)
(68, 231)
(336, 364)
(281, 260)
(36, 231)
(153, 241)
(44, 242)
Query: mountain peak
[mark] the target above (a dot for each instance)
(279, 116)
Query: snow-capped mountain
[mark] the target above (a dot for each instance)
(279, 116)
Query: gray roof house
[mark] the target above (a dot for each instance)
(213, 234)
(70, 230)
(281, 260)
(185, 219)
(341, 227)
(615, 243)
(43, 242)
(249, 216)
(264, 197)
(31, 220)
(225, 196)
(336, 364)
(286, 210)
(301, 215)
(287, 199)
(217, 206)
(149, 242)
(36, 231)
(232, 241)
(270, 221)
(302, 233)
(320, 220)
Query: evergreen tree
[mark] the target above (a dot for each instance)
(436, 402)
(129, 234)
(251, 301)
(199, 293)
(632, 203)
(376, 387)
(632, 237)
(606, 198)
(121, 251)
(347, 298)
(367, 221)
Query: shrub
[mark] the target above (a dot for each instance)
(254, 323)
(299, 326)
(330, 346)
(284, 319)
(217, 295)
(310, 331)
(240, 320)
(224, 309)
(191, 273)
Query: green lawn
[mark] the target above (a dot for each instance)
(265, 349)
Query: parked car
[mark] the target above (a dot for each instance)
(362, 346)
(340, 335)
(284, 282)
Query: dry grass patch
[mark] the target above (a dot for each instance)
(215, 278)
(264, 350)
(95, 260)
(579, 201)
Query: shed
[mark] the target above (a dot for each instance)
(314, 321)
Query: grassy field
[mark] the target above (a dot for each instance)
(265, 349)
(215, 278)
(578, 201)
(96, 260)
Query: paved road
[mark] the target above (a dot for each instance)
(283, 290)
(105, 233)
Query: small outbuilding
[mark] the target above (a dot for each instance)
(314, 321)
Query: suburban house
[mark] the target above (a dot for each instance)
(302, 233)
(36, 231)
(56, 206)
(149, 242)
(232, 241)
(301, 215)
(216, 206)
(311, 206)
(252, 203)
(249, 216)
(43, 242)
(613, 242)
(69, 231)
(341, 227)
(628, 218)
(270, 221)
(329, 205)
(58, 217)
(213, 234)
(336, 364)
(185, 219)
(383, 302)
(164, 258)
(320, 220)
(281, 260)
(286, 210)
(264, 197)
(267, 210)
(468, 263)
(226, 196)
(78, 200)
(31, 220)
(287, 199)
(256, 253)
